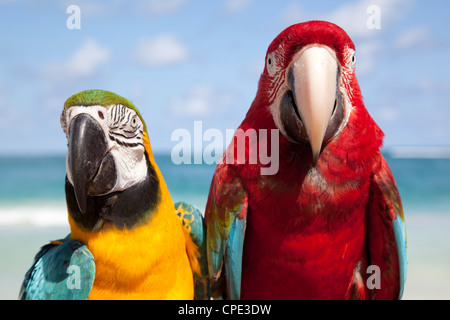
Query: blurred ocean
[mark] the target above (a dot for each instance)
(32, 212)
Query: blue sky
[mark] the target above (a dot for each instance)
(185, 60)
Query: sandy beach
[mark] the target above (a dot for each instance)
(428, 252)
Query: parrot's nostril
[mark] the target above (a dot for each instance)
(100, 114)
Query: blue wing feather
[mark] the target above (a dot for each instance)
(226, 218)
(233, 259)
(387, 213)
(400, 239)
(63, 271)
(195, 227)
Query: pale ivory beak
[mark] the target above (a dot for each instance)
(313, 80)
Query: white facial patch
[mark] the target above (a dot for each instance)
(345, 88)
(131, 166)
(123, 130)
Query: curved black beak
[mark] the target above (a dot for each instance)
(87, 150)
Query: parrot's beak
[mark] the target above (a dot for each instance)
(90, 168)
(312, 78)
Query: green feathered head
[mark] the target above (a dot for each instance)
(109, 154)
(102, 98)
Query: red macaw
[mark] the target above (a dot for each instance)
(329, 223)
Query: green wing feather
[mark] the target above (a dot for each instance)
(194, 225)
(226, 218)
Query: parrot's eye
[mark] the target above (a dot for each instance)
(270, 63)
(134, 122)
(353, 59)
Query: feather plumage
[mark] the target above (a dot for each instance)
(312, 229)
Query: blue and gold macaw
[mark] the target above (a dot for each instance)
(128, 239)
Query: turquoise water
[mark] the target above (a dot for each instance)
(28, 179)
(32, 212)
(424, 184)
(31, 180)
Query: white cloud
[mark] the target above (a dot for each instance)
(356, 18)
(83, 62)
(200, 101)
(89, 9)
(157, 7)
(160, 51)
(415, 37)
(353, 17)
(87, 59)
(234, 6)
